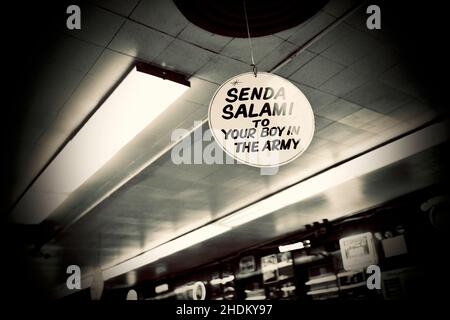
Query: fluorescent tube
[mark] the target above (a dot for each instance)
(291, 247)
(161, 288)
(134, 104)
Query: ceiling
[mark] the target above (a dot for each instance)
(362, 90)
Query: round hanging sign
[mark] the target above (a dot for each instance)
(262, 121)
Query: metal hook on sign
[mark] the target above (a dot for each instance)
(255, 69)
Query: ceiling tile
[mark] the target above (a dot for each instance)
(325, 148)
(98, 26)
(300, 60)
(345, 82)
(339, 133)
(360, 117)
(358, 21)
(221, 68)
(276, 56)
(400, 77)
(380, 124)
(201, 90)
(307, 90)
(285, 34)
(339, 7)
(162, 15)
(319, 98)
(34, 123)
(118, 6)
(337, 110)
(239, 48)
(140, 41)
(203, 38)
(358, 138)
(395, 131)
(330, 38)
(54, 89)
(414, 112)
(71, 53)
(321, 122)
(310, 29)
(375, 63)
(184, 57)
(316, 72)
(351, 48)
(378, 97)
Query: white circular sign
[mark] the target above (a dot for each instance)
(262, 121)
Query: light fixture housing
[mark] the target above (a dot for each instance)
(143, 94)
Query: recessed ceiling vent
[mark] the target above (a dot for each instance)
(265, 17)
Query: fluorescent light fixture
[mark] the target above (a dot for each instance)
(259, 297)
(291, 247)
(222, 281)
(133, 105)
(161, 288)
(166, 249)
(357, 167)
(215, 282)
(288, 288)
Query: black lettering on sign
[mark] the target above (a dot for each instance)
(280, 93)
(244, 94)
(268, 93)
(227, 111)
(239, 133)
(280, 144)
(232, 95)
(249, 111)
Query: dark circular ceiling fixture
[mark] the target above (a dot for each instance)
(264, 16)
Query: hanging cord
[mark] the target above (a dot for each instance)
(253, 65)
